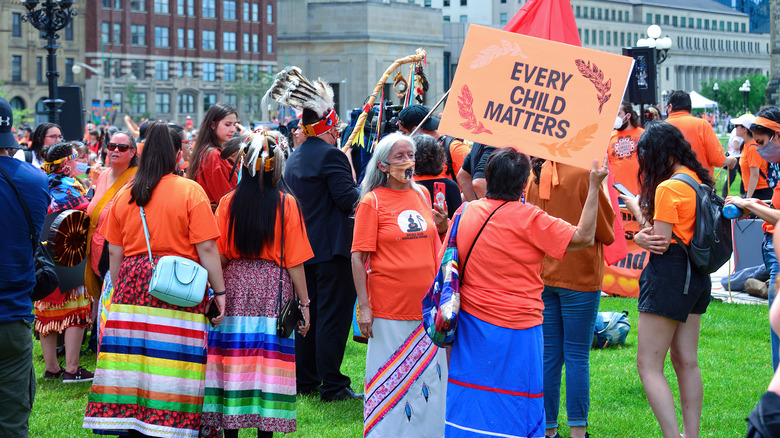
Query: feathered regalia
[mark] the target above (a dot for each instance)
(291, 88)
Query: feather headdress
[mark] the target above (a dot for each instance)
(260, 150)
(291, 88)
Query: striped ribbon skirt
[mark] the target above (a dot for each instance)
(495, 384)
(152, 361)
(250, 373)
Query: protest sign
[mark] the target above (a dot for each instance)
(622, 278)
(546, 99)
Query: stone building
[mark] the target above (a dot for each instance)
(23, 68)
(350, 44)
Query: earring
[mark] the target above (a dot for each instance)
(66, 170)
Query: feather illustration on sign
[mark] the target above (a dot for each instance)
(493, 51)
(576, 143)
(594, 74)
(465, 103)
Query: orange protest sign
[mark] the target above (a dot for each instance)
(622, 278)
(546, 99)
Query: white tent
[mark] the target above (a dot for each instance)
(699, 101)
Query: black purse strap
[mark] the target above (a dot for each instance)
(33, 235)
(463, 271)
(281, 258)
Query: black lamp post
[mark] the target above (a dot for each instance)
(715, 88)
(745, 90)
(50, 18)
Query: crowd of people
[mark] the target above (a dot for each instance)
(274, 215)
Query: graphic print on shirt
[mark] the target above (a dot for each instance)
(624, 147)
(411, 221)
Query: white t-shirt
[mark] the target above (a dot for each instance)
(19, 155)
(735, 144)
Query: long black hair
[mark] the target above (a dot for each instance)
(660, 147)
(254, 207)
(157, 160)
(207, 136)
(38, 137)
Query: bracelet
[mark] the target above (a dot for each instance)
(216, 294)
(303, 305)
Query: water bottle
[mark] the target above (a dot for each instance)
(731, 211)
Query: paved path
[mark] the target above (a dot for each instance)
(720, 293)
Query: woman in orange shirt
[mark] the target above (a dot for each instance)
(396, 239)
(152, 360)
(213, 173)
(766, 132)
(754, 169)
(250, 370)
(669, 314)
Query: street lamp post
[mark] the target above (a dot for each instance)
(715, 89)
(745, 90)
(50, 18)
(661, 46)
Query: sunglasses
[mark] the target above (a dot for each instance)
(121, 147)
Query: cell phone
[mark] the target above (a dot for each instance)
(623, 190)
(438, 193)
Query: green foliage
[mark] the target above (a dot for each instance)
(251, 86)
(731, 100)
(21, 117)
(734, 356)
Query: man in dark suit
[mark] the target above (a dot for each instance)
(320, 177)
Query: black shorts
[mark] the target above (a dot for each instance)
(662, 283)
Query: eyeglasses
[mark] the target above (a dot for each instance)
(121, 147)
(57, 136)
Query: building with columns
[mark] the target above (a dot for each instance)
(709, 40)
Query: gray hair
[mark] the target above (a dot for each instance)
(376, 178)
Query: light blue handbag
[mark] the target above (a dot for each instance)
(175, 280)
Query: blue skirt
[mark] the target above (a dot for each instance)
(496, 381)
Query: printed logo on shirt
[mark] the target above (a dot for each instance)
(624, 148)
(411, 221)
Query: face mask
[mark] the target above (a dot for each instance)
(620, 124)
(403, 171)
(81, 168)
(770, 151)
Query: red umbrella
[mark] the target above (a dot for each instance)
(554, 20)
(548, 19)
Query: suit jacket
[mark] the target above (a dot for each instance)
(319, 176)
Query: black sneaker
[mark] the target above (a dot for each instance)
(345, 393)
(52, 376)
(81, 375)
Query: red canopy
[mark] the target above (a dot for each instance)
(548, 19)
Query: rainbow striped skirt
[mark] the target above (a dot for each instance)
(250, 373)
(152, 361)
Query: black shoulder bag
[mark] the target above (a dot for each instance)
(46, 280)
(289, 313)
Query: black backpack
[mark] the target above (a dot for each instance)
(711, 245)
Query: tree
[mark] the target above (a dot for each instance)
(21, 117)
(252, 86)
(731, 100)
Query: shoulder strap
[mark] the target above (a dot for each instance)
(466, 260)
(146, 234)
(33, 234)
(688, 180)
(281, 257)
(28, 156)
(446, 141)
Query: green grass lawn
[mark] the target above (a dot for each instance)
(734, 356)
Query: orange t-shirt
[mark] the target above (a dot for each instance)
(396, 228)
(623, 160)
(701, 136)
(458, 151)
(751, 158)
(178, 216)
(296, 243)
(769, 228)
(675, 203)
(517, 237)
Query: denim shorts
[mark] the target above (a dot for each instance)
(662, 283)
